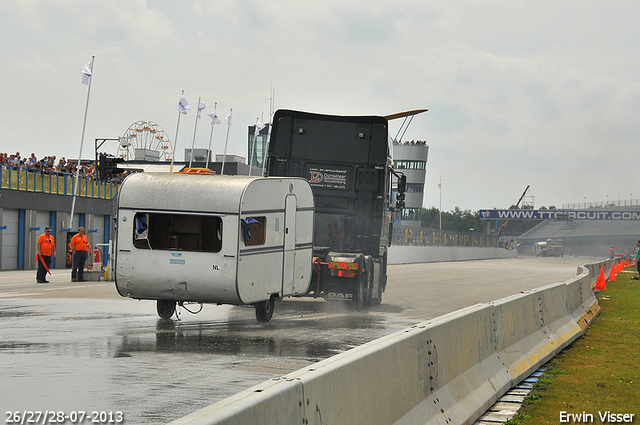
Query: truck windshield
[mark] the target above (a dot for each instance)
(181, 232)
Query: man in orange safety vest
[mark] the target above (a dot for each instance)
(45, 249)
(79, 245)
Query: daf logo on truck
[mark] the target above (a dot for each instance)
(340, 296)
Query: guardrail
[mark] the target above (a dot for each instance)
(430, 254)
(58, 184)
(423, 236)
(448, 370)
(534, 228)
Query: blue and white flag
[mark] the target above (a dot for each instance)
(183, 105)
(214, 118)
(201, 107)
(259, 127)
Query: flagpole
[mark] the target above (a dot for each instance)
(84, 124)
(195, 129)
(211, 136)
(224, 154)
(175, 141)
(209, 148)
(265, 156)
(253, 148)
(440, 210)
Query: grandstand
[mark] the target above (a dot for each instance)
(586, 237)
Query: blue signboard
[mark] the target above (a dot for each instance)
(593, 214)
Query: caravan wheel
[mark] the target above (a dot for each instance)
(166, 308)
(264, 310)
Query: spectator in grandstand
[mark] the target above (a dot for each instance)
(50, 165)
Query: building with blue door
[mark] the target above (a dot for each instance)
(32, 200)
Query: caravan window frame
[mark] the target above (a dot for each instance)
(258, 232)
(194, 232)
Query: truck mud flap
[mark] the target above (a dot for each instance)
(341, 293)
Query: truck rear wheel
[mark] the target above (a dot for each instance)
(166, 308)
(264, 310)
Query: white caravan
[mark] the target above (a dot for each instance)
(214, 239)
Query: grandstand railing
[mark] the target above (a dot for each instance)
(602, 204)
(56, 183)
(533, 229)
(422, 236)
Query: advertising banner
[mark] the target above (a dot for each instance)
(558, 215)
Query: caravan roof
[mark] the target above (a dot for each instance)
(185, 192)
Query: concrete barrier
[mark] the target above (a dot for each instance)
(448, 370)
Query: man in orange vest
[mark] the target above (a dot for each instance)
(79, 247)
(45, 249)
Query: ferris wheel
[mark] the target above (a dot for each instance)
(144, 140)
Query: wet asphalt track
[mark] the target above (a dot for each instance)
(81, 347)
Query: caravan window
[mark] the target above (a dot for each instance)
(253, 230)
(180, 232)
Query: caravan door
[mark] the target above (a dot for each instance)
(289, 244)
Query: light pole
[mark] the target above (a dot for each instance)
(440, 209)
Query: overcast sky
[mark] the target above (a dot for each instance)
(541, 93)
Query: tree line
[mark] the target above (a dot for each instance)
(460, 220)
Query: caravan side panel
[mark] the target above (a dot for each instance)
(179, 271)
(261, 262)
(260, 258)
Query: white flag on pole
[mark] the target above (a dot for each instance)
(86, 74)
(183, 105)
(214, 118)
(259, 127)
(228, 118)
(201, 107)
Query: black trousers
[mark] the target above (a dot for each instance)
(77, 270)
(41, 275)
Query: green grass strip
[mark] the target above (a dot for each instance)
(599, 374)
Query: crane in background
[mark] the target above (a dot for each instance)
(516, 207)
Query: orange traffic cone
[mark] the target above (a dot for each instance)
(612, 274)
(601, 285)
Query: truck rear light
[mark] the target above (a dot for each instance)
(343, 269)
(343, 265)
(342, 273)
